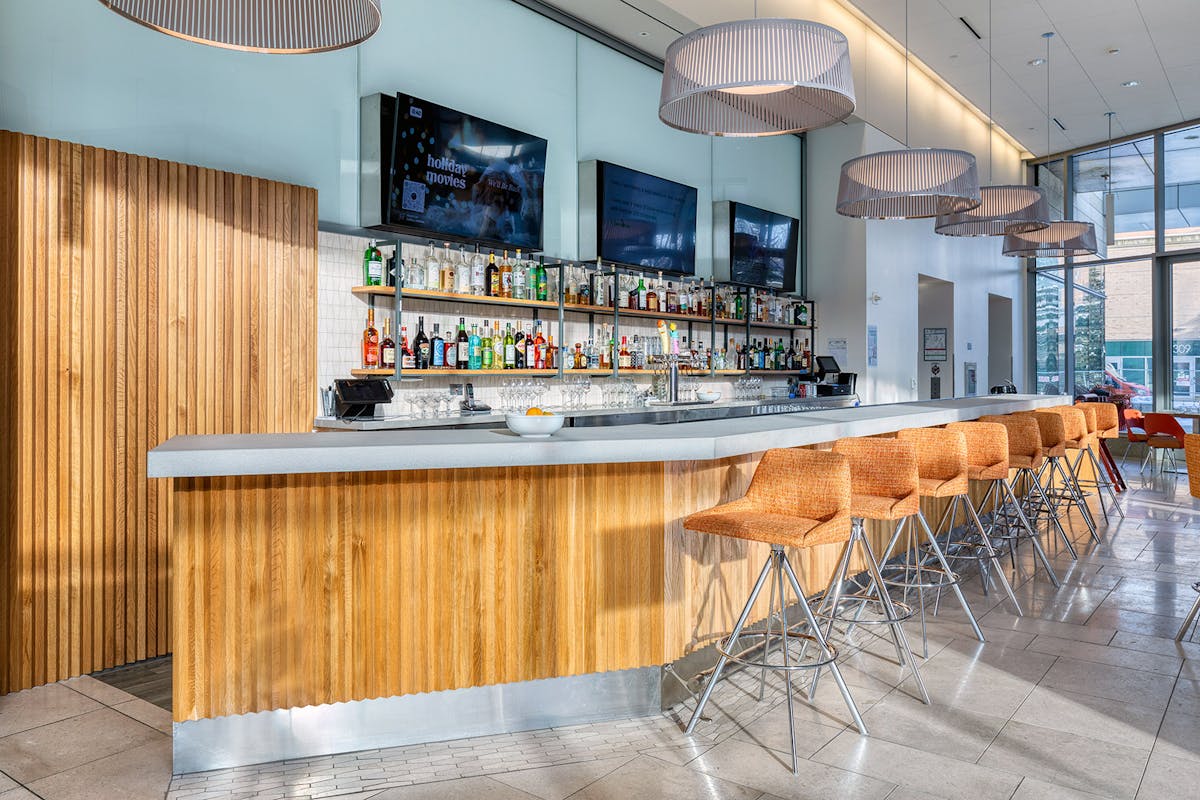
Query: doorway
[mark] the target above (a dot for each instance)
(1000, 340)
(935, 338)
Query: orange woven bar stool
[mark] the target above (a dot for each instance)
(944, 466)
(1100, 483)
(1108, 426)
(1045, 500)
(797, 498)
(1074, 437)
(1025, 456)
(886, 486)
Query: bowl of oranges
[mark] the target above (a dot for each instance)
(534, 423)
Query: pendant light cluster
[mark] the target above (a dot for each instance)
(265, 26)
(757, 77)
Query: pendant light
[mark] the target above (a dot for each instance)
(909, 183)
(265, 26)
(1011, 207)
(1062, 238)
(1110, 199)
(757, 77)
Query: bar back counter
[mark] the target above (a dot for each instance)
(337, 591)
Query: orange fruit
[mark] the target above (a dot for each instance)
(534, 412)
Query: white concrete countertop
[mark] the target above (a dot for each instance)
(368, 451)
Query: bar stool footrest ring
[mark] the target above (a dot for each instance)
(903, 611)
(747, 662)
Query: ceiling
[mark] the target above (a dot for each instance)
(1158, 44)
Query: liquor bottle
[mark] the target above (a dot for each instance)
(720, 304)
(673, 306)
(423, 348)
(583, 295)
(624, 357)
(462, 272)
(478, 274)
(641, 294)
(652, 295)
(387, 348)
(519, 349)
(464, 346)
(497, 348)
(580, 360)
(437, 347)
(623, 293)
(450, 350)
(519, 278)
(599, 295)
(700, 301)
(487, 354)
(370, 342)
(492, 273)
(475, 348)
(510, 348)
(407, 359)
(593, 355)
(448, 276)
(604, 354)
(550, 359)
(569, 295)
(433, 270)
(506, 277)
(780, 355)
(541, 282)
(739, 306)
(539, 350)
(414, 274)
(801, 313)
(372, 266)
(789, 358)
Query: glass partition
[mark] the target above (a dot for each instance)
(1051, 333)
(1181, 184)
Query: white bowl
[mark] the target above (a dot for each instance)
(708, 397)
(541, 427)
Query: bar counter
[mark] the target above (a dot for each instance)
(345, 590)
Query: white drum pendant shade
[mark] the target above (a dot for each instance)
(757, 77)
(1003, 209)
(1057, 240)
(908, 184)
(266, 26)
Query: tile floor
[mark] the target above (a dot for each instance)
(1085, 696)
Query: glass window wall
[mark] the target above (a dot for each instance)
(1115, 192)
(1185, 336)
(1181, 168)
(1051, 331)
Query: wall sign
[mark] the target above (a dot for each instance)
(872, 345)
(970, 373)
(935, 344)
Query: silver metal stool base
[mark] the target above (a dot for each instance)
(1191, 617)
(778, 566)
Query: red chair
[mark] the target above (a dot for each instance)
(1135, 432)
(1165, 434)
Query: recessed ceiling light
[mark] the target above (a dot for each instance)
(643, 33)
(1112, 51)
(1036, 62)
(1131, 84)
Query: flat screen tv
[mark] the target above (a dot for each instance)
(644, 221)
(763, 248)
(446, 173)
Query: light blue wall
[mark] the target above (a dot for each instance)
(71, 69)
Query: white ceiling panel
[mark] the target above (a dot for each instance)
(1158, 43)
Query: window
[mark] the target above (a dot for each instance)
(1131, 185)
(1181, 160)
(1185, 336)
(1113, 331)
(1088, 319)
(1051, 332)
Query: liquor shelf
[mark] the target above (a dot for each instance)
(454, 297)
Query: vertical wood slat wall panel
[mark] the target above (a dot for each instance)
(131, 291)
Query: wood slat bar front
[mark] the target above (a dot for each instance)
(139, 299)
(296, 590)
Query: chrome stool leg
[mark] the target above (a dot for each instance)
(993, 555)
(1084, 509)
(1191, 617)
(1031, 531)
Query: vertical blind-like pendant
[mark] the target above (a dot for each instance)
(1002, 209)
(908, 184)
(757, 77)
(265, 26)
(1057, 240)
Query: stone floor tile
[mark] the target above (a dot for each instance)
(1169, 778)
(137, 773)
(20, 793)
(1179, 736)
(1065, 759)
(917, 769)
(1094, 717)
(1101, 654)
(771, 730)
(42, 705)
(147, 714)
(957, 732)
(459, 789)
(559, 782)
(648, 777)
(97, 690)
(61, 746)
(771, 771)
(1034, 789)
(1157, 645)
(1115, 683)
(7, 783)
(1185, 699)
(1062, 630)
